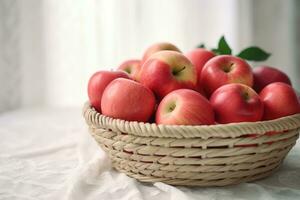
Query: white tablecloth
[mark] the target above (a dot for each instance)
(47, 153)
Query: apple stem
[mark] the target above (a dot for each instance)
(245, 96)
(172, 107)
(228, 68)
(177, 72)
(128, 70)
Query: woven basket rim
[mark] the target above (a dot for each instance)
(190, 131)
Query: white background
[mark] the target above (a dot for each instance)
(50, 48)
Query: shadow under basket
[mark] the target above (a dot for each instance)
(214, 155)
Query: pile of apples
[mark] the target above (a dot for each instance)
(194, 88)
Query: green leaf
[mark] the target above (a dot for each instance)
(254, 54)
(202, 45)
(223, 47)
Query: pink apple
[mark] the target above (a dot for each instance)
(166, 71)
(132, 67)
(199, 57)
(184, 107)
(97, 84)
(265, 75)
(128, 100)
(236, 103)
(158, 47)
(224, 69)
(279, 100)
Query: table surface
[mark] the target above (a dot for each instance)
(47, 153)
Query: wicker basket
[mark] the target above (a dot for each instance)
(215, 155)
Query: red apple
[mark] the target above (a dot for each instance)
(199, 57)
(184, 107)
(158, 47)
(236, 103)
(264, 75)
(166, 71)
(97, 84)
(224, 69)
(128, 100)
(132, 67)
(279, 100)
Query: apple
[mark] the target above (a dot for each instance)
(199, 57)
(184, 107)
(128, 100)
(224, 69)
(158, 47)
(97, 84)
(264, 75)
(236, 103)
(166, 71)
(132, 67)
(279, 100)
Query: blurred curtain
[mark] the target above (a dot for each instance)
(10, 70)
(276, 27)
(50, 48)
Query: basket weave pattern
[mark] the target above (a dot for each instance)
(215, 155)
